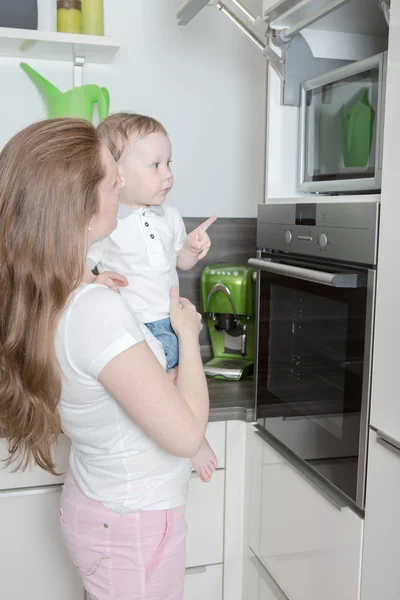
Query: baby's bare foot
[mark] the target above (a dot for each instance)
(205, 462)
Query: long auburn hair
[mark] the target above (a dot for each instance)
(49, 178)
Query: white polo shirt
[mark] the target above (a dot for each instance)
(143, 247)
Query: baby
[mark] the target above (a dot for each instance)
(150, 239)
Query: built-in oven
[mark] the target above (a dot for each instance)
(316, 274)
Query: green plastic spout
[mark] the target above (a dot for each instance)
(76, 103)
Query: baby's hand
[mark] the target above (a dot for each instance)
(112, 280)
(173, 374)
(198, 240)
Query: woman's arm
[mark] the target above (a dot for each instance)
(174, 416)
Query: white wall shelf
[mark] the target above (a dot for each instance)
(27, 43)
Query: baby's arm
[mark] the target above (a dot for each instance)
(108, 278)
(88, 276)
(196, 246)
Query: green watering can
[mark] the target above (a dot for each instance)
(78, 102)
(358, 127)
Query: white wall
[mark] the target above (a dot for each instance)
(205, 82)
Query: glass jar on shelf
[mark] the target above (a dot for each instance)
(69, 16)
(93, 17)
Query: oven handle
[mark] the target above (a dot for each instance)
(337, 280)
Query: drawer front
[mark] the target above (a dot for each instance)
(260, 585)
(205, 518)
(216, 437)
(311, 548)
(33, 556)
(34, 475)
(204, 583)
(380, 571)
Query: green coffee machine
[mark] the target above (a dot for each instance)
(228, 302)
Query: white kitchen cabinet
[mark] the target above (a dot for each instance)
(34, 475)
(310, 547)
(203, 583)
(260, 584)
(353, 16)
(380, 569)
(205, 507)
(216, 437)
(385, 380)
(205, 518)
(34, 562)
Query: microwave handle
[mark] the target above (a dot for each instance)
(337, 280)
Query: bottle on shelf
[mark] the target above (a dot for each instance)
(93, 17)
(69, 16)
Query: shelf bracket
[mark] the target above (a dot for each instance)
(277, 62)
(79, 63)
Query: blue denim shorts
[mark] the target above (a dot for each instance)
(163, 332)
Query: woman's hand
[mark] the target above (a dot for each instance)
(184, 317)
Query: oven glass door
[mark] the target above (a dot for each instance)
(310, 372)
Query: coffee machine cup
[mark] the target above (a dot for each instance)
(228, 302)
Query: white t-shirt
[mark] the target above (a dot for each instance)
(143, 247)
(112, 459)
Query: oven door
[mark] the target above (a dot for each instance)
(313, 366)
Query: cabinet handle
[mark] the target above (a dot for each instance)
(269, 580)
(337, 280)
(388, 442)
(30, 491)
(195, 570)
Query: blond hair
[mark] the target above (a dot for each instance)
(117, 130)
(49, 178)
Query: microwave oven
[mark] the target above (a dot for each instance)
(341, 129)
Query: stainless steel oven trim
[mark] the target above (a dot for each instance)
(366, 388)
(338, 280)
(331, 493)
(302, 466)
(257, 335)
(371, 183)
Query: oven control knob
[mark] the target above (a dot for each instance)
(288, 236)
(323, 240)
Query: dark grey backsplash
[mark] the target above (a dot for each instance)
(232, 241)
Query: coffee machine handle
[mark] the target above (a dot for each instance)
(220, 287)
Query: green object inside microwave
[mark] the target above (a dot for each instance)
(358, 127)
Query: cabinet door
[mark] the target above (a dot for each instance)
(34, 562)
(34, 476)
(203, 583)
(187, 9)
(310, 547)
(295, 15)
(216, 436)
(385, 375)
(205, 518)
(260, 584)
(380, 570)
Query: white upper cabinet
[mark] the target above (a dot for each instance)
(187, 9)
(292, 16)
(347, 16)
(345, 30)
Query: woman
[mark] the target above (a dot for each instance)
(73, 355)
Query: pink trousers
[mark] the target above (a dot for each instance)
(140, 556)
